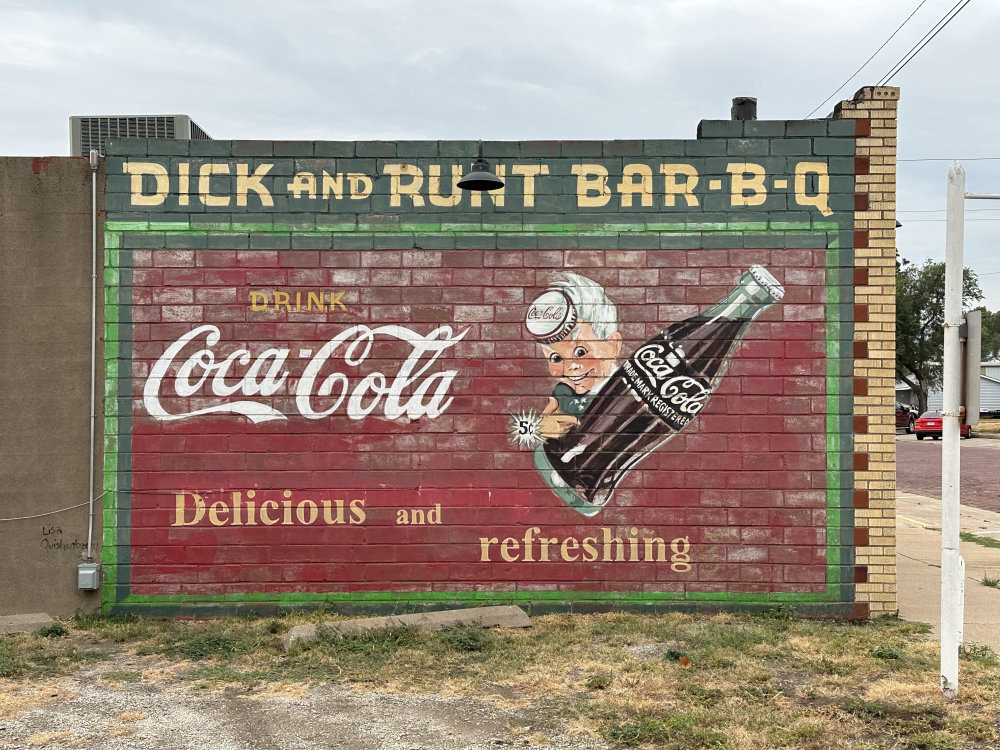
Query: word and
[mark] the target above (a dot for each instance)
(266, 374)
(606, 548)
(419, 516)
(296, 301)
(190, 509)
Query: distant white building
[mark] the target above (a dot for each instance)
(989, 391)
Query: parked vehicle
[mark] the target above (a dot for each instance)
(906, 417)
(930, 425)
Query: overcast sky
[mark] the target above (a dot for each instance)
(518, 69)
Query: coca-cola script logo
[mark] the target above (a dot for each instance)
(318, 392)
(664, 367)
(686, 393)
(552, 312)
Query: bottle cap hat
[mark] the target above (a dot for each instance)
(551, 317)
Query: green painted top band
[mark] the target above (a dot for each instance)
(740, 227)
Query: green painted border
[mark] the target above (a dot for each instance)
(838, 597)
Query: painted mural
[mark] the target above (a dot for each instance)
(615, 383)
(592, 431)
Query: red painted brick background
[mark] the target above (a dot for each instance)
(745, 482)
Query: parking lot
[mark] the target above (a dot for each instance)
(918, 469)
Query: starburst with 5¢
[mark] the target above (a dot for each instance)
(522, 428)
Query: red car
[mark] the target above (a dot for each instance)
(906, 417)
(929, 425)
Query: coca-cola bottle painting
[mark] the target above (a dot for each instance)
(602, 420)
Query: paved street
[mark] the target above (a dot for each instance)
(918, 469)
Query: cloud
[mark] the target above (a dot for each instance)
(507, 69)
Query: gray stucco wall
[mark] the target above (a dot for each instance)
(45, 283)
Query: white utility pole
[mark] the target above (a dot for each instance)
(952, 578)
(952, 564)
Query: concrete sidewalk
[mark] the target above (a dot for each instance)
(918, 567)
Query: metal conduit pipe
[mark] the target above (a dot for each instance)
(93, 348)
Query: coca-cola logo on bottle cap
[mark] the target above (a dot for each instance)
(550, 317)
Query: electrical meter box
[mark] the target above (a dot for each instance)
(88, 576)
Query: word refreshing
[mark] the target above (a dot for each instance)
(318, 392)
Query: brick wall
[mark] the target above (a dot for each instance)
(323, 389)
(874, 110)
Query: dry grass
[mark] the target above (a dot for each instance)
(991, 426)
(50, 739)
(130, 717)
(669, 681)
(16, 698)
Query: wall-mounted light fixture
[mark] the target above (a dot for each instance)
(480, 177)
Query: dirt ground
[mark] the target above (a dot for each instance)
(87, 711)
(918, 469)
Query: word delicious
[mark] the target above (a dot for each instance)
(266, 512)
(267, 374)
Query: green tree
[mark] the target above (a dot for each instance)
(991, 334)
(920, 323)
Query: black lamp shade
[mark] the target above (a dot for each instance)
(480, 178)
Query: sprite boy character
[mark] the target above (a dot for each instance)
(576, 326)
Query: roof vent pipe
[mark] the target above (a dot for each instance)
(744, 108)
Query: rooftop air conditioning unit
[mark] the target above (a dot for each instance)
(90, 132)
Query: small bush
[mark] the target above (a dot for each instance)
(703, 696)
(911, 720)
(55, 630)
(468, 638)
(371, 642)
(275, 626)
(672, 654)
(116, 628)
(979, 653)
(211, 644)
(673, 731)
(887, 652)
(867, 710)
(993, 583)
(931, 741)
(205, 645)
(599, 681)
(779, 612)
(828, 666)
(11, 663)
(974, 729)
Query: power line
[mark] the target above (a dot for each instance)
(928, 37)
(949, 158)
(41, 515)
(967, 221)
(855, 73)
(941, 210)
